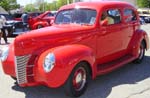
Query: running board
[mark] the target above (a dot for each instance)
(110, 66)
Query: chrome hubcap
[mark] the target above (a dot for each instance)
(79, 79)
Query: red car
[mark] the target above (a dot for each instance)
(17, 16)
(43, 20)
(81, 45)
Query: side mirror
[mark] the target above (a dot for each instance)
(104, 22)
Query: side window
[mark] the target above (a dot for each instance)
(49, 15)
(112, 16)
(129, 15)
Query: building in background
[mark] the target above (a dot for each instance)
(133, 2)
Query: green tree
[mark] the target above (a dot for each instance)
(63, 2)
(51, 6)
(9, 4)
(44, 6)
(30, 8)
(143, 3)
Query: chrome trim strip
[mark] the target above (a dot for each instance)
(21, 64)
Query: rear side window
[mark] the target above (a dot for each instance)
(113, 16)
(129, 15)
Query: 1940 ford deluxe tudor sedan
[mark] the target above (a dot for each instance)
(86, 40)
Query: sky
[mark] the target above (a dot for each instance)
(25, 2)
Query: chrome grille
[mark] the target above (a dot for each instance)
(21, 62)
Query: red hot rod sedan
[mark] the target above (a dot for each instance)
(87, 39)
(43, 20)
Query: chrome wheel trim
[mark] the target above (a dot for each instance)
(39, 26)
(79, 79)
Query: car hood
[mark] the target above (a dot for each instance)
(49, 37)
(55, 31)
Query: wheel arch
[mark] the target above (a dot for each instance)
(146, 41)
(88, 65)
(145, 45)
(138, 36)
(67, 57)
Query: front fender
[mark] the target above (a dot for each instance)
(42, 23)
(9, 64)
(67, 57)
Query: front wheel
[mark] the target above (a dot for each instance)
(39, 26)
(141, 53)
(78, 80)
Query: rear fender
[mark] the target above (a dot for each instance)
(66, 57)
(138, 37)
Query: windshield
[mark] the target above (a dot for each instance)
(78, 16)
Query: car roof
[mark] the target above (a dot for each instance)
(97, 5)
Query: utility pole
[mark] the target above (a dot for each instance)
(43, 6)
(31, 5)
(67, 1)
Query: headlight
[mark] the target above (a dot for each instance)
(49, 62)
(4, 53)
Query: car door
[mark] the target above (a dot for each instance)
(129, 26)
(110, 37)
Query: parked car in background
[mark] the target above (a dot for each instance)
(14, 25)
(17, 16)
(34, 14)
(42, 20)
(142, 21)
(8, 28)
(81, 45)
(144, 13)
(54, 13)
(7, 16)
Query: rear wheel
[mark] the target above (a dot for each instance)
(78, 80)
(141, 53)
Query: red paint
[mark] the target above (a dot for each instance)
(72, 43)
(42, 20)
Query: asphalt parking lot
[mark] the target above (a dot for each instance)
(130, 81)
